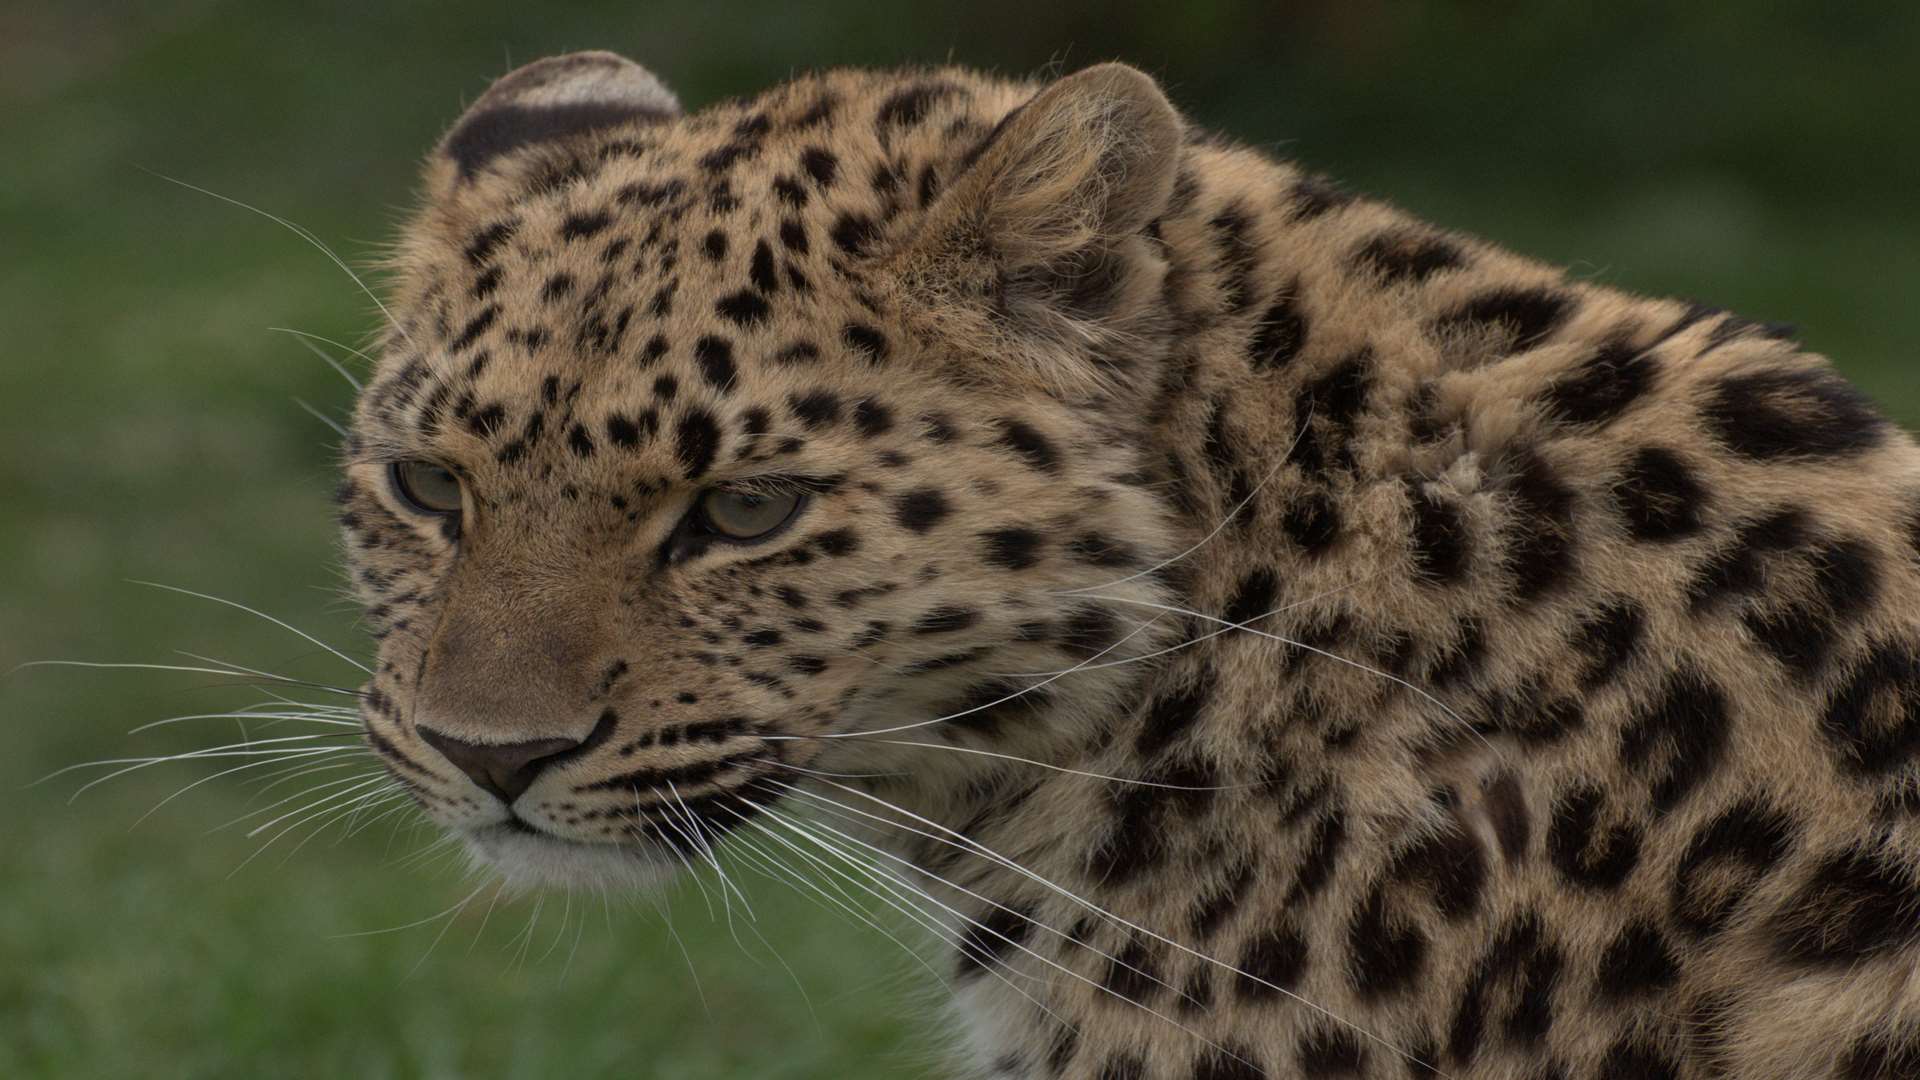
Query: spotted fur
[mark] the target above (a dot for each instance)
(1472, 671)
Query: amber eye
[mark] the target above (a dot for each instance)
(426, 487)
(740, 516)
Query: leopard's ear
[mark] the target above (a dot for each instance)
(1038, 247)
(547, 101)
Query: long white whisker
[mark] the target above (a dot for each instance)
(281, 623)
(299, 231)
(972, 846)
(307, 340)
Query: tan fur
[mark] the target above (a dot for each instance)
(1517, 674)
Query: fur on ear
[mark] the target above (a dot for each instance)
(1036, 253)
(551, 99)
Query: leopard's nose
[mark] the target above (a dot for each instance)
(505, 769)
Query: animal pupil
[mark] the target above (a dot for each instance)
(1258, 634)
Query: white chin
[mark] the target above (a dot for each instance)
(529, 860)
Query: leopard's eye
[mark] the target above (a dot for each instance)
(425, 487)
(740, 516)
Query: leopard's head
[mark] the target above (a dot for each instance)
(799, 437)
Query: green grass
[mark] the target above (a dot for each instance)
(147, 430)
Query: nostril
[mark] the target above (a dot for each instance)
(505, 769)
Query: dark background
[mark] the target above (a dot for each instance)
(1759, 157)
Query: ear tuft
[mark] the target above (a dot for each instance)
(555, 98)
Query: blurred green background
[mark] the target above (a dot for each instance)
(1760, 157)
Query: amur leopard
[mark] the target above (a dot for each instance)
(1259, 633)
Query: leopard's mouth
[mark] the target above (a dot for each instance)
(525, 854)
(653, 852)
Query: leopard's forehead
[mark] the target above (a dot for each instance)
(706, 282)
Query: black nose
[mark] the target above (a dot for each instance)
(506, 769)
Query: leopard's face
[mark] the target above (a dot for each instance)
(667, 497)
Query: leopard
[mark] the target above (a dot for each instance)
(1244, 629)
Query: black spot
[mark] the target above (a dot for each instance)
(1801, 633)
(1855, 903)
(1218, 904)
(1637, 962)
(800, 352)
(1272, 962)
(1628, 1060)
(484, 422)
(1281, 334)
(1679, 738)
(1460, 661)
(1724, 861)
(1313, 522)
(579, 441)
(872, 418)
(920, 510)
(1169, 716)
(1527, 964)
(817, 409)
(1386, 955)
(837, 542)
(665, 387)
(480, 249)
(715, 357)
(581, 226)
(1528, 316)
(854, 233)
(1735, 569)
(715, 245)
(1449, 867)
(1873, 718)
(745, 308)
(820, 165)
(990, 939)
(476, 326)
(906, 108)
(1090, 631)
(1132, 975)
(1442, 546)
(760, 270)
(622, 431)
(1607, 638)
(1098, 549)
(1660, 497)
(945, 620)
(644, 194)
(1540, 541)
(696, 441)
(866, 341)
(1323, 855)
(793, 236)
(1011, 548)
(1232, 1062)
(1313, 196)
(1776, 415)
(1252, 598)
(1582, 851)
(1883, 1056)
(1400, 254)
(1602, 387)
(1032, 446)
(1332, 1051)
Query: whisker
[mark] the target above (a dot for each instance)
(1397, 680)
(307, 341)
(971, 846)
(299, 231)
(281, 623)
